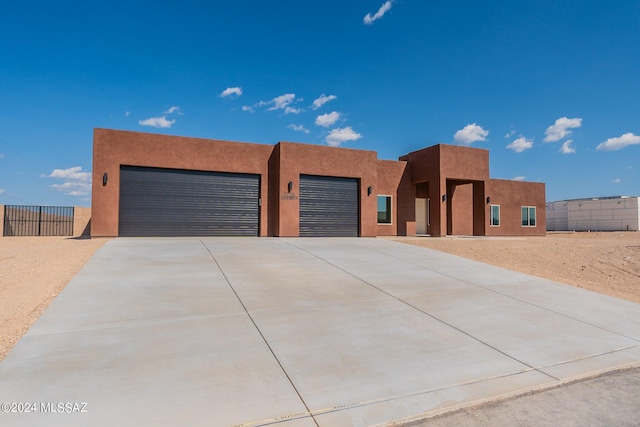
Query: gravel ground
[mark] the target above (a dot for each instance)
(33, 271)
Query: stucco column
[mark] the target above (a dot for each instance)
(480, 210)
(438, 208)
(289, 208)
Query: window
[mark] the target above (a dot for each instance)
(384, 209)
(528, 216)
(495, 216)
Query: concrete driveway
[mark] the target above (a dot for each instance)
(300, 332)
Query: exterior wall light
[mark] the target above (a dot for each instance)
(369, 190)
(488, 199)
(290, 186)
(105, 178)
(444, 197)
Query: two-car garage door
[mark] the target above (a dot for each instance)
(171, 202)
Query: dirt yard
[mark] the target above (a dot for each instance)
(608, 263)
(34, 270)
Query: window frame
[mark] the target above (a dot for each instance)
(491, 224)
(389, 205)
(528, 221)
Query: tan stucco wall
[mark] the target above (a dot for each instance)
(81, 221)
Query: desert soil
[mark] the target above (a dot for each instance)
(34, 270)
(608, 263)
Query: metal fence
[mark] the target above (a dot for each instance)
(38, 221)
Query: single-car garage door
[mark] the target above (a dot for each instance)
(329, 206)
(171, 202)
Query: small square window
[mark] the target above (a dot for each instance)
(384, 209)
(495, 216)
(528, 216)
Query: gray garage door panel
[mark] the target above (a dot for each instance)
(329, 206)
(169, 202)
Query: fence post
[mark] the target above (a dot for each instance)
(2, 220)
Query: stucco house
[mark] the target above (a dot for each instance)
(159, 185)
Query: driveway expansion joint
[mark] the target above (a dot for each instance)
(264, 339)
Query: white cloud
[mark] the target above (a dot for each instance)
(74, 173)
(337, 136)
(73, 188)
(78, 183)
(2, 191)
(162, 121)
(127, 113)
(510, 134)
(518, 178)
(615, 144)
(327, 120)
(157, 122)
(1, 156)
(561, 129)
(323, 99)
(281, 102)
(231, 91)
(470, 134)
(567, 148)
(386, 6)
(174, 109)
(520, 144)
(298, 128)
(292, 110)
(616, 181)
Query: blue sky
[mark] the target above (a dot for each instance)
(551, 88)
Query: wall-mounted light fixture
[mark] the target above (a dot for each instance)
(105, 178)
(369, 190)
(444, 197)
(290, 186)
(488, 199)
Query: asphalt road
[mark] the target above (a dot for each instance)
(611, 400)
